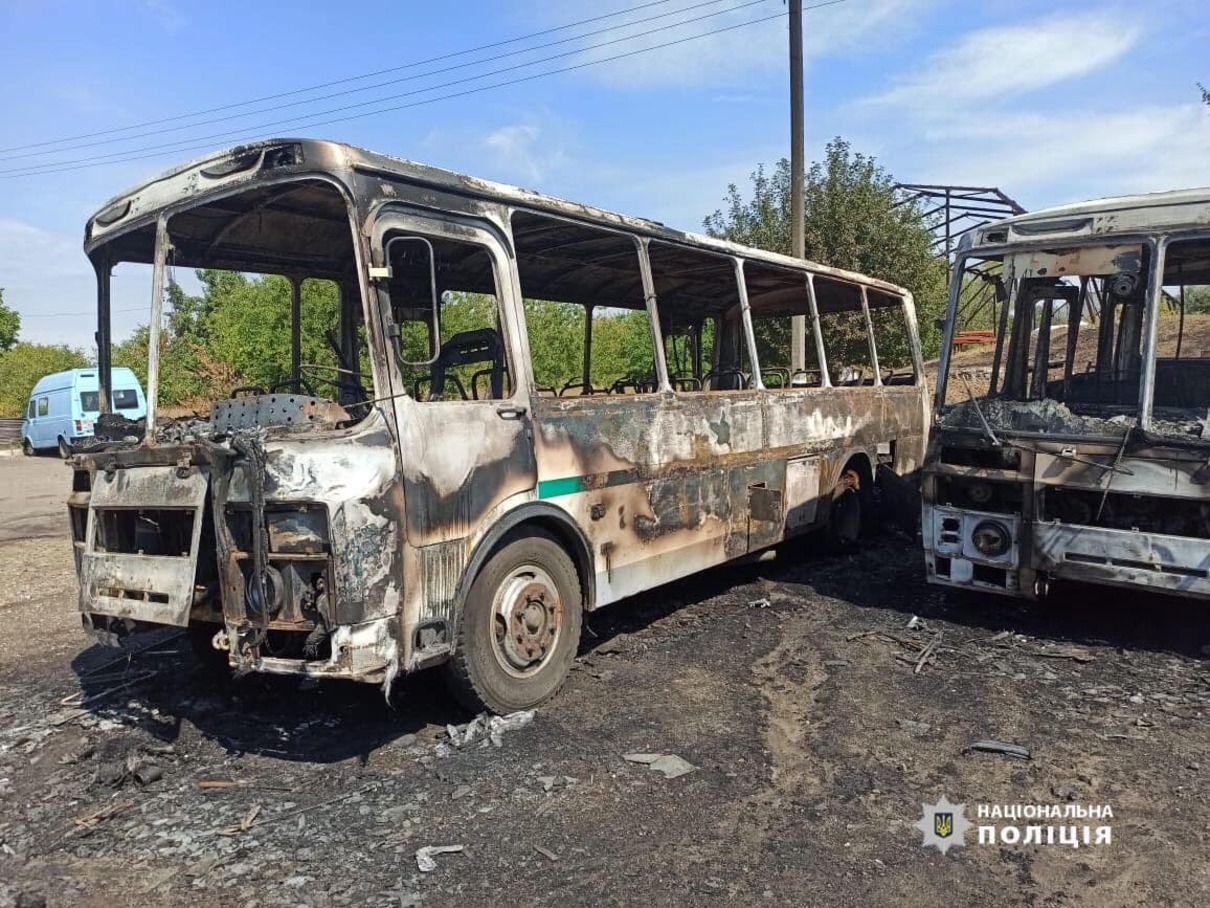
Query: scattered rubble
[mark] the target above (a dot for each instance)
(826, 741)
(671, 765)
(424, 856)
(999, 747)
(493, 726)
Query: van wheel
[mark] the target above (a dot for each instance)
(64, 448)
(520, 627)
(27, 447)
(849, 511)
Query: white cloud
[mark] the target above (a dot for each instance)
(171, 19)
(521, 154)
(847, 27)
(1064, 157)
(1008, 60)
(965, 117)
(47, 278)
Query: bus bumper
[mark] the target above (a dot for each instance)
(1169, 564)
(953, 559)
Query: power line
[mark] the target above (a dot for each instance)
(301, 119)
(203, 141)
(59, 146)
(344, 81)
(25, 315)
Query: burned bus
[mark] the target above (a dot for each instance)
(1075, 443)
(445, 487)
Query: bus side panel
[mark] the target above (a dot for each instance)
(660, 484)
(834, 423)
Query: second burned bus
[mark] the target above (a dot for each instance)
(445, 484)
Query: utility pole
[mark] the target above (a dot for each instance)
(798, 323)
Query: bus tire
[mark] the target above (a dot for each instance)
(64, 448)
(850, 512)
(520, 626)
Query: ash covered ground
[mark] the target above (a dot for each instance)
(791, 687)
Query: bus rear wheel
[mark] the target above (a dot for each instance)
(851, 511)
(520, 627)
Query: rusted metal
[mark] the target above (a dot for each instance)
(341, 536)
(1098, 473)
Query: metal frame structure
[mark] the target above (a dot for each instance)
(952, 210)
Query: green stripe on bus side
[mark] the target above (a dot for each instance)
(552, 488)
(570, 485)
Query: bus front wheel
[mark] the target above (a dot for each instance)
(520, 627)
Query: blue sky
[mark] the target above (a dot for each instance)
(1051, 101)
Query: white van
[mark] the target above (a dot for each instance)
(64, 406)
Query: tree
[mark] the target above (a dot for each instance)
(184, 378)
(852, 220)
(24, 364)
(10, 325)
(239, 326)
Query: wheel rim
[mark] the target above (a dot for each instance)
(527, 621)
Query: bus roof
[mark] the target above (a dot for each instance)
(1154, 212)
(222, 170)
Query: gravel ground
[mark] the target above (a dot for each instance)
(790, 686)
(33, 496)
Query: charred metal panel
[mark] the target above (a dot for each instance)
(354, 476)
(765, 482)
(460, 460)
(666, 473)
(666, 485)
(268, 410)
(156, 588)
(1143, 472)
(439, 571)
(1078, 260)
(1121, 557)
(765, 504)
(802, 492)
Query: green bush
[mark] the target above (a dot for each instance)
(24, 364)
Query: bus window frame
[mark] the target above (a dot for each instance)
(663, 384)
(869, 334)
(907, 309)
(745, 318)
(444, 225)
(1156, 244)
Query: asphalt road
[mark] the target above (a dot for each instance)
(33, 497)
